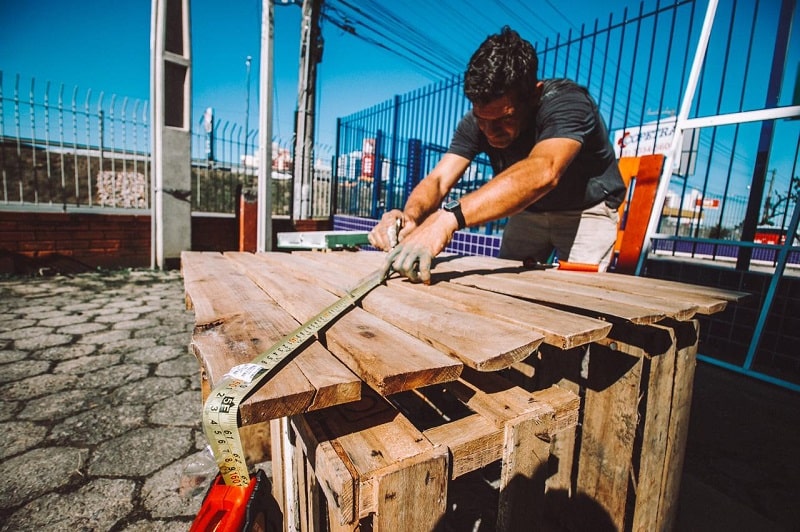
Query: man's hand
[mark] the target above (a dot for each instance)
(413, 255)
(388, 232)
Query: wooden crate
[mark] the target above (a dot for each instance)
(392, 462)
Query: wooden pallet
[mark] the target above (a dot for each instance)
(623, 346)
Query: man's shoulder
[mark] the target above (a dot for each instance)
(554, 89)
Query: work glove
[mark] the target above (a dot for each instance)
(412, 261)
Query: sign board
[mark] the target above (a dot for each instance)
(656, 137)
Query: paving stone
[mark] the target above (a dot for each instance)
(155, 354)
(56, 315)
(46, 340)
(59, 318)
(79, 366)
(161, 330)
(158, 526)
(117, 317)
(80, 308)
(13, 323)
(34, 311)
(65, 352)
(98, 505)
(98, 424)
(37, 386)
(22, 369)
(82, 328)
(19, 436)
(36, 472)
(9, 409)
(178, 489)
(104, 337)
(185, 365)
(183, 409)
(128, 344)
(11, 355)
(149, 390)
(141, 323)
(113, 377)
(58, 405)
(27, 332)
(140, 452)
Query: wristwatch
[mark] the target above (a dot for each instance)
(455, 207)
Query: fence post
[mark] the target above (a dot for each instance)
(393, 160)
(335, 170)
(376, 175)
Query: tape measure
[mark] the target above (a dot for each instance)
(221, 409)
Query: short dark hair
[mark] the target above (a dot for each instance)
(503, 62)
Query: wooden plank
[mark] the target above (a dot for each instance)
(236, 322)
(432, 319)
(608, 433)
(685, 361)
(559, 328)
(338, 482)
(364, 343)
(706, 301)
(373, 439)
(523, 474)
(474, 442)
(594, 307)
(672, 308)
(655, 411)
(489, 274)
(412, 494)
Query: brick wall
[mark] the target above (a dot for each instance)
(71, 242)
(56, 242)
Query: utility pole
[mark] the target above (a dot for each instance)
(768, 201)
(310, 56)
(264, 218)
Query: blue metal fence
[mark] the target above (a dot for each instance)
(733, 191)
(635, 64)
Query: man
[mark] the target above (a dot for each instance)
(555, 173)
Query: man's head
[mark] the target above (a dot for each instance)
(504, 62)
(502, 84)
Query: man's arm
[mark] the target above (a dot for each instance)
(522, 183)
(505, 194)
(424, 200)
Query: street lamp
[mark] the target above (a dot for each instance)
(247, 105)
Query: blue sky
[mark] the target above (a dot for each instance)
(104, 46)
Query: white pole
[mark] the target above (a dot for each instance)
(264, 222)
(677, 140)
(156, 119)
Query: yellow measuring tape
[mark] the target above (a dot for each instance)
(221, 409)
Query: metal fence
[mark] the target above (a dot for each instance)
(635, 65)
(69, 148)
(733, 192)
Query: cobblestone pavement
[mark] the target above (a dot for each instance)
(100, 419)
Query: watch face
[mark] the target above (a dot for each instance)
(451, 205)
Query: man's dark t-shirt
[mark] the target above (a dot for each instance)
(566, 110)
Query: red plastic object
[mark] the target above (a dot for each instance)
(233, 508)
(577, 266)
